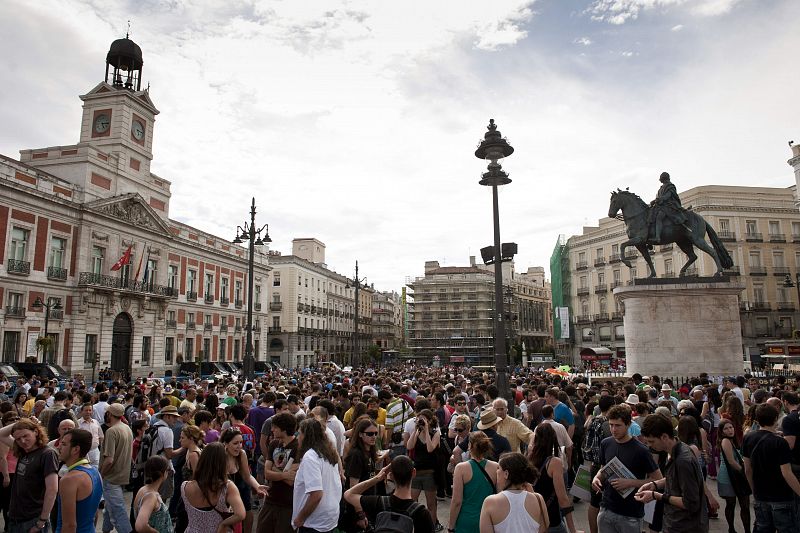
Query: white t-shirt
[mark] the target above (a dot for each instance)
(165, 439)
(336, 426)
(317, 474)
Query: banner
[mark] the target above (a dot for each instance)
(563, 316)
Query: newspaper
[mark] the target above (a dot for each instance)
(614, 469)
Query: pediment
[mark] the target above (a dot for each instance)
(103, 88)
(131, 209)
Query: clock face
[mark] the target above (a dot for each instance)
(101, 123)
(137, 129)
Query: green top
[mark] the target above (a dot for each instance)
(476, 490)
(160, 520)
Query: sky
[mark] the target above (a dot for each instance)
(356, 121)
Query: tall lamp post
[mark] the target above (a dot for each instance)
(494, 147)
(357, 283)
(48, 306)
(249, 232)
(787, 282)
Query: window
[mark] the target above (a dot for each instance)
(50, 356)
(146, 350)
(276, 322)
(236, 347)
(19, 244)
(98, 255)
(617, 276)
(601, 278)
(668, 267)
(90, 349)
(190, 318)
(223, 292)
(206, 349)
(172, 276)
(774, 227)
(169, 349)
(276, 298)
(171, 315)
(207, 319)
(583, 282)
(755, 259)
(615, 249)
(724, 225)
(762, 326)
(209, 286)
(795, 229)
(11, 341)
(191, 281)
(782, 294)
(151, 272)
(306, 284)
(15, 300)
(276, 280)
(257, 294)
(750, 226)
(57, 248)
(299, 280)
(619, 332)
(778, 259)
(237, 291)
(255, 349)
(599, 253)
(581, 257)
(758, 294)
(633, 273)
(188, 354)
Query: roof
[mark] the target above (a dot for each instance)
(596, 350)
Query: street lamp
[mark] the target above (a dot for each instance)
(357, 284)
(494, 147)
(248, 232)
(55, 306)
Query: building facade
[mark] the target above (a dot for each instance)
(387, 320)
(760, 227)
(452, 309)
(68, 213)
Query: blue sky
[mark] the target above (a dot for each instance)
(355, 121)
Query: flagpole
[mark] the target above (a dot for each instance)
(139, 268)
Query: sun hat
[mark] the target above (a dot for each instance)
(488, 419)
(632, 399)
(167, 410)
(116, 410)
(683, 404)
(666, 387)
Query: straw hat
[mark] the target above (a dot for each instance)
(488, 419)
(632, 399)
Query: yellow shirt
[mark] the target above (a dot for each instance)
(28, 407)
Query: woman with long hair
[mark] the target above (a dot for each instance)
(733, 410)
(461, 432)
(317, 485)
(424, 440)
(239, 471)
(361, 463)
(8, 466)
(19, 402)
(212, 500)
(710, 421)
(517, 507)
(473, 482)
(731, 482)
(192, 441)
(150, 513)
(545, 456)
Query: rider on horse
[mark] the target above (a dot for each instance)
(667, 204)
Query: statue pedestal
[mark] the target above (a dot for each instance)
(682, 326)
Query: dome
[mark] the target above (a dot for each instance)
(125, 54)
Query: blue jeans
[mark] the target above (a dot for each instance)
(780, 517)
(611, 522)
(115, 514)
(25, 527)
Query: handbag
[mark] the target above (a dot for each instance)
(741, 487)
(486, 475)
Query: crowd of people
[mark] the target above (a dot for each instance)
(325, 451)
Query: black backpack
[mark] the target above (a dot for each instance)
(594, 436)
(149, 447)
(389, 521)
(55, 420)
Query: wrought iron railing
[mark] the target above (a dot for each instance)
(56, 273)
(90, 279)
(13, 310)
(15, 266)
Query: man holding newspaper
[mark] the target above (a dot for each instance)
(627, 465)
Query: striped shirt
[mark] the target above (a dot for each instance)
(395, 417)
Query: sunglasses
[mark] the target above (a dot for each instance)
(460, 430)
(461, 403)
(370, 433)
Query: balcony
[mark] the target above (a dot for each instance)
(665, 248)
(224, 301)
(582, 319)
(780, 271)
(583, 291)
(191, 325)
(581, 265)
(172, 324)
(307, 308)
(602, 287)
(691, 271)
(256, 328)
(600, 261)
(604, 317)
(313, 309)
(617, 315)
(727, 236)
(191, 296)
(116, 283)
(615, 258)
(762, 306)
(630, 254)
(275, 306)
(56, 314)
(753, 237)
(777, 237)
(733, 271)
(615, 284)
(56, 273)
(300, 307)
(257, 306)
(237, 304)
(15, 311)
(207, 327)
(744, 305)
(669, 273)
(209, 298)
(274, 329)
(237, 329)
(223, 328)
(785, 306)
(758, 271)
(15, 266)
(795, 237)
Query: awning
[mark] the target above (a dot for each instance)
(592, 353)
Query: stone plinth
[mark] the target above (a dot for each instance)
(682, 326)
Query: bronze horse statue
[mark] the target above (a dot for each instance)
(635, 215)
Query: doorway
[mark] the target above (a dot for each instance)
(121, 344)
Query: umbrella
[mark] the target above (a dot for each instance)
(557, 372)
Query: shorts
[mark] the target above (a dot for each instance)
(424, 481)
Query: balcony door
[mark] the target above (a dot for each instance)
(121, 344)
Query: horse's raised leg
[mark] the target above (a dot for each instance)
(622, 247)
(686, 247)
(649, 260)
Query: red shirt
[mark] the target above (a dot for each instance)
(248, 438)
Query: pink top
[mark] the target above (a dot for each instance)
(203, 521)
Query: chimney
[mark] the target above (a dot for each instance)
(472, 260)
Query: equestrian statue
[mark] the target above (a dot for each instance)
(665, 221)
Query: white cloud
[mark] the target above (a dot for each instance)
(619, 12)
(677, 27)
(585, 41)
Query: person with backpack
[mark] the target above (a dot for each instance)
(52, 416)
(597, 429)
(398, 513)
(116, 470)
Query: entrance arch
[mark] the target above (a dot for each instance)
(121, 343)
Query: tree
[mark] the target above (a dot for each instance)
(44, 344)
(374, 352)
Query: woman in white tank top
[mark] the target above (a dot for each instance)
(517, 507)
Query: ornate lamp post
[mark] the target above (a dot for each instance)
(49, 305)
(494, 147)
(249, 232)
(357, 284)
